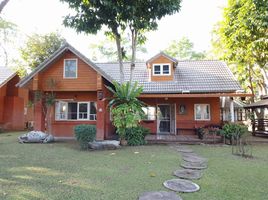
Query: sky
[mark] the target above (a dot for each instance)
(195, 21)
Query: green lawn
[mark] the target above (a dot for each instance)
(62, 171)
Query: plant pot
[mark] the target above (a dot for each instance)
(123, 142)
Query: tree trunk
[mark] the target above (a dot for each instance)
(251, 87)
(134, 35)
(119, 53)
(3, 4)
(265, 80)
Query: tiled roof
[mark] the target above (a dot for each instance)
(5, 75)
(206, 76)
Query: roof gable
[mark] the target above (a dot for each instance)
(164, 55)
(54, 57)
(5, 75)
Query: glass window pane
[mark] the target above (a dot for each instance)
(151, 113)
(157, 69)
(83, 109)
(93, 111)
(72, 110)
(70, 69)
(165, 69)
(198, 112)
(206, 112)
(61, 110)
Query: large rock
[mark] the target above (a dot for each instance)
(35, 137)
(159, 195)
(104, 145)
(181, 185)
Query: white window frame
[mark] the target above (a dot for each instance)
(66, 116)
(202, 115)
(76, 62)
(146, 116)
(161, 69)
(78, 118)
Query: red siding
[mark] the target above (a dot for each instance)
(86, 76)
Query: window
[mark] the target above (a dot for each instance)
(70, 68)
(166, 69)
(157, 69)
(202, 111)
(149, 113)
(75, 110)
(161, 69)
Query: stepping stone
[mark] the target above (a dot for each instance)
(189, 154)
(181, 185)
(184, 150)
(161, 195)
(188, 174)
(193, 165)
(194, 159)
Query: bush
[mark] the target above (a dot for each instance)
(136, 136)
(233, 131)
(84, 134)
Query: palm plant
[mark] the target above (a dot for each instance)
(125, 106)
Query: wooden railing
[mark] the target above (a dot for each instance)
(260, 126)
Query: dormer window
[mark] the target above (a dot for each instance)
(161, 69)
(70, 68)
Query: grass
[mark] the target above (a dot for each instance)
(62, 171)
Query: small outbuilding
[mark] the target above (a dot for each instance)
(260, 125)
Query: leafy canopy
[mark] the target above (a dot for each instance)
(242, 38)
(93, 15)
(37, 49)
(183, 50)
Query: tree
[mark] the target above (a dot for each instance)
(183, 50)
(8, 31)
(242, 40)
(37, 49)
(138, 16)
(3, 3)
(125, 106)
(106, 49)
(47, 101)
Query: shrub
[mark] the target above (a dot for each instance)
(84, 134)
(233, 131)
(200, 132)
(136, 135)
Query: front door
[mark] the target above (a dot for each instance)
(163, 118)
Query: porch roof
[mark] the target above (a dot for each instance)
(5, 75)
(259, 104)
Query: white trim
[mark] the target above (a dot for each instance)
(204, 104)
(78, 119)
(78, 112)
(161, 69)
(76, 62)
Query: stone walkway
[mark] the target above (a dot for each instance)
(192, 167)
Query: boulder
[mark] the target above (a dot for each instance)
(35, 137)
(104, 145)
